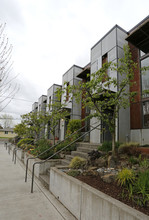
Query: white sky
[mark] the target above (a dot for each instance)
(49, 36)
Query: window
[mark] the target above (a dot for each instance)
(145, 78)
(6, 132)
(67, 91)
(146, 114)
(104, 60)
(49, 102)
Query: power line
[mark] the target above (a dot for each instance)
(17, 99)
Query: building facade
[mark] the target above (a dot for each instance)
(132, 123)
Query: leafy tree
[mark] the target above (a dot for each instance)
(21, 130)
(98, 96)
(33, 124)
(57, 112)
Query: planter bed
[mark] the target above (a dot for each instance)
(87, 203)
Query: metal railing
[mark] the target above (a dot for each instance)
(7, 146)
(52, 147)
(40, 162)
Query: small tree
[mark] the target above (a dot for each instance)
(57, 112)
(21, 130)
(98, 96)
(34, 123)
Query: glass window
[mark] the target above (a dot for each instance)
(145, 78)
(6, 132)
(146, 114)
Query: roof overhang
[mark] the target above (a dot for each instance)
(139, 35)
(84, 73)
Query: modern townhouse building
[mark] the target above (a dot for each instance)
(109, 49)
(138, 41)
(51, 100)
(70, 78)
(42, 103)
(132, 123)
(35, 107)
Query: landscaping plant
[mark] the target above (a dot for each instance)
(77, 163)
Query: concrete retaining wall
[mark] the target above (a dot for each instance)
(87, 203)
(40, 168)
(20, 154)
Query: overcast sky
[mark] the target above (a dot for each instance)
(49, 36)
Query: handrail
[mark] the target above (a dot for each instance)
(49, 150)
(6, 145)
(40, 162)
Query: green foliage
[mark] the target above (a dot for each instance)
(126, 177)
(33, 123)
(137, 185)
(133, 160)
(77, 163)
(57, 111)
(41, 146)
(73, 173)
(97, 96)
(23, 142)
(144, 163)
(129, 149)
(72, 147)
(21, 130)
(73, 125)
(107, 146)
(141, 188)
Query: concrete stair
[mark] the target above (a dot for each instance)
(79, 154)
(83, 149)
(45, 179)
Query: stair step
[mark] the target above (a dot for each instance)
(88, 145)
(69, 157)
(80, 154)
(65, 162)
(45, 179)
(61, 166)
(84, 149)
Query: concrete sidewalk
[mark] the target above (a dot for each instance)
(16, 201)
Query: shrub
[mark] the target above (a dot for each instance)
(64, 144)
(41, 146)
(126, 177)
(94, 154)
(107, 146)
(73, 125)
(144, 163)
(133, 160)
(73, 173)
(29, 147)
(129, 149)
(141, 187)
(24, 142)
(77, 163)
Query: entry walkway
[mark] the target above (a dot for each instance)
(16, 201)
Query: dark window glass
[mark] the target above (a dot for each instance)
(145, 78)
(146, 114)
